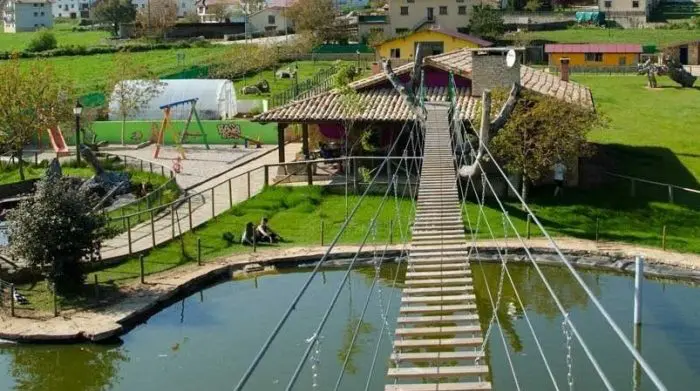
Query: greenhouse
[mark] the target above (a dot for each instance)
(216, 98)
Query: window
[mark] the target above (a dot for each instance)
(270, 19)
(622, 60)
(401, 31)
(72, 6)
(635, 4)
(608, 4)
(594, 57)
(462, 10)
(443, 10)
(404, 10)
(36, 14)
(42, 14)
(395, 53)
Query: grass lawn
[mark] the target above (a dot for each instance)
(64, 37)
(652, 133)
(90, 73)
(640, 36)
(296, 214)
(306, 70)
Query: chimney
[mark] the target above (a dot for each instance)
(564, 72)
(493, 68)
(376, 67)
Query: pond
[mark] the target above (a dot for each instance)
(207, 340)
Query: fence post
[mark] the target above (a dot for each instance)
(213, 214)
(391, 231)
(55, 301)
(267, 175)
(255, 244)
(248, 182)
(199, 251)
(663, 238)
(354, 172)
(36, 158)
(597, 228)
(670, 193)
(309, 174)
(141, 165)
(97, 289)
(633, 187)
(638, 274)
(12, 300)
(322, 224)
(162, 171)
(123, 220)
(128, 232)
(230, 194)
(172, 220)
(150, 167)
(153, 230)
(189, 210)
(529, 218)
(143, 278)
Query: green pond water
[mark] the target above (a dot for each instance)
(207, 340)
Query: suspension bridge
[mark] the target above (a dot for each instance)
(439, 342)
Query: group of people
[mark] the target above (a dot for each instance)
(260, 234)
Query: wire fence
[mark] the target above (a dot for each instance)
(321, 81)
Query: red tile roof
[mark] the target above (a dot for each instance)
(592, 48)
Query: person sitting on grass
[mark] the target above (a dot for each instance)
(248, 234)
(265, 234)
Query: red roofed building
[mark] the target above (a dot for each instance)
(593, 54)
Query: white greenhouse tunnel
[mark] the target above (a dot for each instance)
(216, 99)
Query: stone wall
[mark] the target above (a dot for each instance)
(489, 71)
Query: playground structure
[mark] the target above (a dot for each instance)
(232, 131)
(182, 137)
(57, 141)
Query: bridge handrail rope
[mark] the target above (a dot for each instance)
(637, 356)
(459, 125)
(404, 240)
(313, 273)
(319, 329)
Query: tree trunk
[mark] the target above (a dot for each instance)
(20, 164)
(524, 189)
(116, 29)
(123, 128)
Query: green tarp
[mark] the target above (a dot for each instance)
(591, 17)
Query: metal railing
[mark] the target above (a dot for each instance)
(321, 81)
(660, 191)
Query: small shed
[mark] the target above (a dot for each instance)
(593, 54)
(216, 99)
(687, 53)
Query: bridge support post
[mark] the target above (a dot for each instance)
(638, 275)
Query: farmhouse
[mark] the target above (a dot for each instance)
(594, 54)
(433, 41)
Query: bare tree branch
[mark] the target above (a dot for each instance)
(506, 110)
(405, 92)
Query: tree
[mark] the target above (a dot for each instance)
(65, 211)
(540, 131)
(115, 12)
(130, 87)
(221, 11)
(41, 41)
(533, 5)
(158, 18)
(32, 100)
(316, 16)
(486, 21)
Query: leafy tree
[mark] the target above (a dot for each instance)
(533, 5)
(190, 17)
(32, 100)
(221, 11)
(540, 131)
(486, 21)
(65, 211)
(130, 87)
(115, 12)
(158, 18)
(317, 17)
(41, 41)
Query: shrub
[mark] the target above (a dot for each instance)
(41, 41)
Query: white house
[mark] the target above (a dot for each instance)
(27, 15)
(72, 9)
(270, 20)
(235, 8)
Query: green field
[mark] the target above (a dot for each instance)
(306, 70)
(640, 36)
(652, 133)
(64, 37)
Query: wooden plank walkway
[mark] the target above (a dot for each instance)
(438, 336)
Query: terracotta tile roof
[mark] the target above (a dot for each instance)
(592, 48)
(384, 104)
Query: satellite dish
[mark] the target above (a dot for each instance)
(510, 58)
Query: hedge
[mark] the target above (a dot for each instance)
(79, 50)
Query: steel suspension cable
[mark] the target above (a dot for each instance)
(314, 272)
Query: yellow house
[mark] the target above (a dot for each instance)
(594, 54)
(433, 41)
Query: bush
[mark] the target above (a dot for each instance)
(41, 41)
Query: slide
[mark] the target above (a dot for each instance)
(58, 142)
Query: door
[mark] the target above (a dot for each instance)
(683, 55)
(430, 48)
(430, 13)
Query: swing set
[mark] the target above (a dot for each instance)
(182, 138)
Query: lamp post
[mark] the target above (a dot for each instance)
(77, 110)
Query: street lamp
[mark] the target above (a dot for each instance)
(77, 110)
